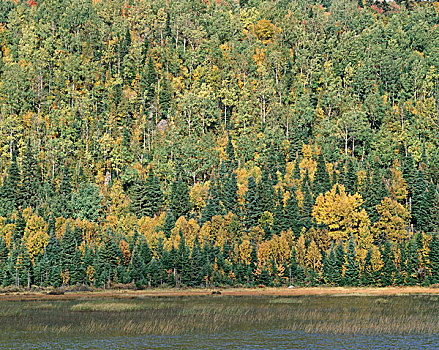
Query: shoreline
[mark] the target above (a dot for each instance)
(234, 292)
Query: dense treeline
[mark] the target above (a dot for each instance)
(208, 143)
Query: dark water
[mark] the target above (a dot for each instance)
(342, 322)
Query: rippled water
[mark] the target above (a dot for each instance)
(405, 322)
(275, 339)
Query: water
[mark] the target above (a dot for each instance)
(399, 322)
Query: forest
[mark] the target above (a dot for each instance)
(209, 143)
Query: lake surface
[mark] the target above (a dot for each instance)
(220, 322)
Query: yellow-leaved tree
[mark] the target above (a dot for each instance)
(35, 236)
(343, 215)
(393, 221)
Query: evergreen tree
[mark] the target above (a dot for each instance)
(169, 223)
(212, 207)
(31, 179)
(230, 194)
(419, 207)
(322, 182)
(292, 213)
(165, 98)
(147, 197)
(252, 211)
(388, 271)
(433, 256)
(68, 254)
(266, 193)
(308, 203)
(9, 191)
(179, 203)
(339, 262)
(351, 178)
(148, 83)
(352, 274)
(367, 275)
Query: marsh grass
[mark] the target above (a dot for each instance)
(172, 316)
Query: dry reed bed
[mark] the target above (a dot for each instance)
(316, 314)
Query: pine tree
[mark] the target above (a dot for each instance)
(252, 211)
(322, 182)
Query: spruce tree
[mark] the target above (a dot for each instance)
(147, 197)
(367, 274)
(420, 206)
(388, 271)
(308, 203)
(351, 178)
(292, 214)
(169, 223)
(340, 262)
(230, 153)
(230, 194)
(266, 193)
(280, 222)
(148, 83)
(68, 252)
(165, 98)
(179, 202)
(322, 182)
(9, 191)
(433, 256)
(212, 207)
(352, 273)
(31, 179)
(252, 211)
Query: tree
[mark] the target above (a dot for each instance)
(147, 197)
(86, 203)
(322, 182)
(252, 210)
(212, 207)
(351, 277)
(230, 194)
(9, 190)
(31, 179)
(433, 256)
(179, 203)
(388, 272)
